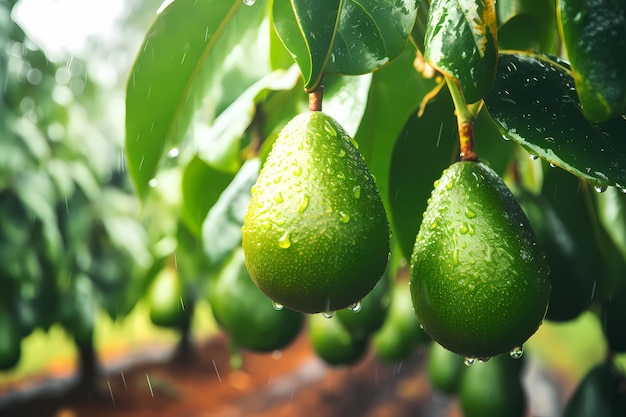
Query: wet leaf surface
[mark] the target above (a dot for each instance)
(534, 102)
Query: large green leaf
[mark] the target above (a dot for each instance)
(612, 215)
(594, 34)
(345, 37)
(534, 102)
(370, 34)
(461, 41)
(345, 99)
(307, 29)
(182, 55)
(396, 92)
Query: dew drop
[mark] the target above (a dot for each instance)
(328, 314)
(469, 213)
(533, 157)
(552, 165)
(284, 242)
(356, 307)
(153, 183)
(469, 361)
(278, 197)
(485, 359)
(344, 217)
(304, 203)
(277, 179)
(297, 171)
(173, 153)
(516, 352)
(277, 306)
(356, 191)
(342, 153)
(464, 229)
(600, 188)
(506, 137)
(623, 190)
(249, 2)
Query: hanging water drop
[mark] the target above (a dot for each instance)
(533, 157)
(328, 314)
(516, 352)
(249, 2)
(552, 165)
(600, 188)
(277, 306)
(469, 361)
(356, 307)
(485, 359)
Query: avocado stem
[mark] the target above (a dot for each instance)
(315, 99)
(464, 119)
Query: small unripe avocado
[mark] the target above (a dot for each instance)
(315, 236)
(479, 280)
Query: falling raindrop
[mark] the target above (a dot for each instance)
(277, 306)
(356, 307)
(516, 352)
(328, 314)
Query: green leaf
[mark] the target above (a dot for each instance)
(461, 42)
(307, 29)
(219, 145)
(370, 35)
(549, 122)
(221, 230)
(345, 99)
(527, 24)
(425, 146)
(396, 92)
(202, 185)
(183, 54)
(594, 34)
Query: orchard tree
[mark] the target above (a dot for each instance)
(71, 244)
(322, 145)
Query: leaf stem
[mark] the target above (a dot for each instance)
(465, 121)
(315, 99)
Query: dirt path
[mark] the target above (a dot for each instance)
(293, 382)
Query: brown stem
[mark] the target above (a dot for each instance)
(315, 99)
(466, 139)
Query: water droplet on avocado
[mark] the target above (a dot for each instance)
(297, 171)
(356, 191)
(344, 217)
(304, 203)
(469, 213)
(284, 242)
(342, 153)
(517, 352)
(464, 229)
(277, 179)
(278, 197)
